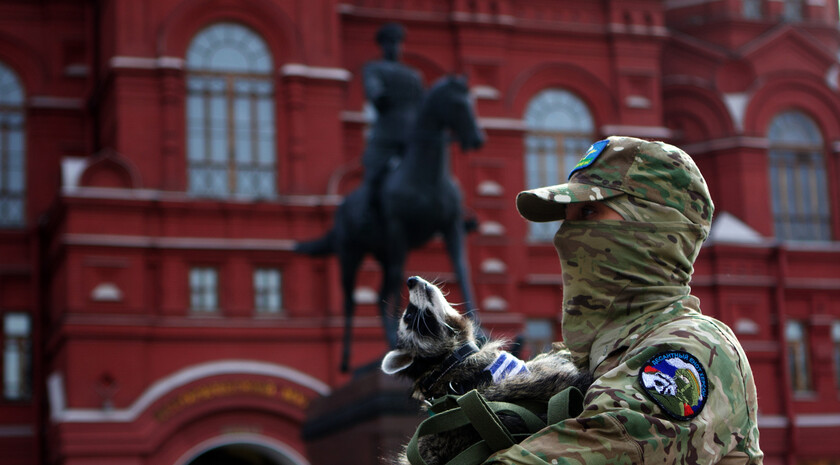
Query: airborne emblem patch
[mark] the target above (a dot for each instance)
(590, 155)
(676, 381)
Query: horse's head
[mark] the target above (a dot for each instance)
(449, 100)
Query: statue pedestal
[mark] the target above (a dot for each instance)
(368, 421)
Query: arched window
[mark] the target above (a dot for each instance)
(560, 129)
(797, 179)
(752, 9)
(231, 149)
(792, 10)
(12, 151)
(796, 339)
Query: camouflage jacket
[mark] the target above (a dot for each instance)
(626, 423)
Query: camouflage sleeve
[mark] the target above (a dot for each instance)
(624, 423)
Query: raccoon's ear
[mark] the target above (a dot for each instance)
(395, 361)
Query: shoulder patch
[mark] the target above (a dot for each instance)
(675, 381)
(590, 155)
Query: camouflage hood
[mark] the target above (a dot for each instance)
(619, 276)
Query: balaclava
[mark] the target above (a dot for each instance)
(622, 275)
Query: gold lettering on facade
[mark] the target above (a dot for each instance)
(219, 389)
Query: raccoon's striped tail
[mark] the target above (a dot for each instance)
(324, 245)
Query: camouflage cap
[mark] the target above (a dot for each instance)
(654, 171)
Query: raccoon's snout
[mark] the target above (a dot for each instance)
(413, 281)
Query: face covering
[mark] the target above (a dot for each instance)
(617, 274)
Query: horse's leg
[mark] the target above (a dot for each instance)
(350, 261)
(392, 280)
(454, 237)
(389, 299)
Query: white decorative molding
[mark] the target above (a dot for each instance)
(746, 326)
(491, 228)
(75, 166)
(653, 132)
(736, 103)
(772, 421)
(727, 228)
(818, 420)
(315, 72)
(493, 266)
(106, 292)
(71, 171)
(545, 279)
(832, 76)
(637, 101)
(490, 188)
(361, 117)
(61, 413)
(485, 93)
(638, 29)
(185, 243)
(170, 62)
(365, 296)
(511, 124)
(494, 303)
(482, 18)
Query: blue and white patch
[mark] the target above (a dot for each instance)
(590, 155)
(506, 365)
(675, 381)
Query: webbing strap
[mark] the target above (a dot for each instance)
(472, 409)
(488, 425)
(444, 421)
(566, 404)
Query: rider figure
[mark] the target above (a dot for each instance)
(395, 90)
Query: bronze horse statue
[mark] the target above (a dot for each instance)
(419, 198)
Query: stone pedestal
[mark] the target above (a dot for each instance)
(366, 422)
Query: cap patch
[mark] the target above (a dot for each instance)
(590, 155)
(676, 381)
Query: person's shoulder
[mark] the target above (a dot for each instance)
(696, 327)
(702, 337)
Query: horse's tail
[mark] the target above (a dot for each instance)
(324, 245)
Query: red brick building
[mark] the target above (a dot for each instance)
(158, 159)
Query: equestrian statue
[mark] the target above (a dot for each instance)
(417, 199)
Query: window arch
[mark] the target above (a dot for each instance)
(231, 147)
(797, 179)
(751, 9)
(12, 151)
(793, 10)
(560, 129)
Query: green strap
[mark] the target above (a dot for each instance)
(488, 425)
(483, 416)
(473, 455)
(444, 421)
(533, 423)
(566, 404)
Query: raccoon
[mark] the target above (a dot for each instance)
(437, 350)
